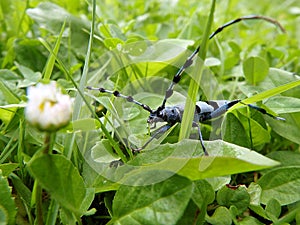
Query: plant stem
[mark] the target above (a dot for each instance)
(52, 213)
(38, 199)
(49, 142)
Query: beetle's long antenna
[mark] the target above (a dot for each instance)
(190, 59)
(118, 94)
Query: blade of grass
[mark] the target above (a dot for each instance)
(190, 104)
(80, 97)
(268, 93)
(51, 60)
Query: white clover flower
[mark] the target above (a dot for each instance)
(47, 108)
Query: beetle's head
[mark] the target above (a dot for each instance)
(155, 116)
(170, 115)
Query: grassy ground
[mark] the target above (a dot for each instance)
(66, 175)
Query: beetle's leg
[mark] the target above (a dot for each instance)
(195, 124)
(160, 130)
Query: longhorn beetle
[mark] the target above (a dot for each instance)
(205, 110)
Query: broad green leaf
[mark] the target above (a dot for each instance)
(7, 168)
(286, 158)
(218, 182)
(203, 195)
(281, 184)
(259, 134)
(67, 217)
(7, 204)
(92, 179)
(249, 220)
(254, 191)
(255, 69)
(103, 152)
(86, 203)
(186, 159)
(160, 203)
(3, 215)
(30, 53)
(23, 191)
(273, 209)
(283, 104)
(288, 129)
(111, 43)
(30, 77)
(221, 216)
(69, 194)
(259, 210)
(191, 213)
(234, 132)
(9, 94)
(8, 75)
(239, 198)
(209, 62)
(237, 159)
(86, 124)
(7, 114)
(43, 15)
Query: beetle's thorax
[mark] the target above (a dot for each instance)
(170, 115)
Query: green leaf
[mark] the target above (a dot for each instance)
(43, 15)
(23, 191)
(283, 104)
(221, 216)
(218, 182)
(259, 133)
(203, 195)
(273, 209)
(7, 168)
(259, 210)
(282, 184)
(112, 43)
(30, 77)
(288, 129)
(7, 204)
(254, 191)
(3, 215)
(9, 94)
(186, 159)
(8, 75)
(70, 194)
(255, 69)
(249, 220)
(286, 158)
(190, 215)
(160, 203)
(237, 197)
(85, 124)
(234, 132)
(30, 53)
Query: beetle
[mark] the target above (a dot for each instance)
(204, 110)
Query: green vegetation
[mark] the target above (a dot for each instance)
(74, 176)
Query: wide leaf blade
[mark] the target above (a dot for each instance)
(152, 204)
(58, 176)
